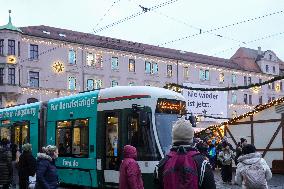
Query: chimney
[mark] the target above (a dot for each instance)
(259, 51)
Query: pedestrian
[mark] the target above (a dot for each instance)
(212, 155)
(130, 174)
(27, 166)
(226, 156)
(252, 170)
(15, 166)
(239, 149)
(184, 166)
(5, 165)
(46, 173)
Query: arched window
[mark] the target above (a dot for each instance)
(31, 100)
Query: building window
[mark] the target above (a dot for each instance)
(270, 57)
(249, 80)
(154, 68)
(98, 84)
(250, 99)
(114, 83)
(1, 76)
(234, 99)
(269, 99)
(186, 71)
(281, 86)
(269, 85)
(260, 99)
(245, 81)
(273, 86)
(273, 98)
(11, 76)
(169, 70)
(90, 59)
(1, 47)
(90, 84)
(19, 48)
(33, 52)
(131, 65)
(274, 70)
(234, 114)
(114, 63)
(221, 77)
(31, 100)
(147, 67)
(34, 79)
(11, 47)
(260, 81)
(72, 57)
(131, 83)
(234, 79)
(204, 75)
(245, 98)
(267, 68)
(71, 83)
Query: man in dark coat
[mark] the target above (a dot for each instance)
(27, 166)
(5, 166)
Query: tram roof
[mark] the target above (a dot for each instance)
(22, 106)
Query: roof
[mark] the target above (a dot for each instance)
(10, 26)
(123, 45)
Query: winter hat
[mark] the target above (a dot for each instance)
(249, 148)
(49, 150)
(182, 131)
(27, 147)
(129, 152)
(243, 140)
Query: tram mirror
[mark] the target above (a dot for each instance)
(143, 118)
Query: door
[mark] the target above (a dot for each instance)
(20, 133)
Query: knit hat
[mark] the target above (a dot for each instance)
(243, 140)
(49, 150)
(27, 147)
(249, 148)
(182, 131)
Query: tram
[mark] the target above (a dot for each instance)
(91, 128)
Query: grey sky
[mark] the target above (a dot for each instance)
(170, 22)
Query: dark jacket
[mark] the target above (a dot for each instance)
(27, 167)
(46, 173)
(208, 180)
(5, 166)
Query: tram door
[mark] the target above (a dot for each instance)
(112, 147)
(20, 134)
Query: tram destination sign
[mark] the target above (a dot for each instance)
(209, 103)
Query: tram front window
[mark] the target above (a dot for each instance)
(164, 124)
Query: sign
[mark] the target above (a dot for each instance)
(11, 59)
(209, 103)
(170, 106)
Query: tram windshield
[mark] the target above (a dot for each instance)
(167, 113)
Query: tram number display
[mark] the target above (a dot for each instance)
(171, 106)
(5, 122)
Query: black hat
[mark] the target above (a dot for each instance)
(243, 140)
(249, 148)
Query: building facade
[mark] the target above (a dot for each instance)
(38, 63)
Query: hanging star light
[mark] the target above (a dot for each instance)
(58, 67)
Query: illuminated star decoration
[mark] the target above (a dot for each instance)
(58, 67)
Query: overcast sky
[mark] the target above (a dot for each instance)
(176, 20)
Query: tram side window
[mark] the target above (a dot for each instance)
(141, 137)
(72, 138)
(5, 133)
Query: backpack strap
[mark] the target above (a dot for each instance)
(202, 172)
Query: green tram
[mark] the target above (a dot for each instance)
(91, 128)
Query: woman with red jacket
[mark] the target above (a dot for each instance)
(130, 174)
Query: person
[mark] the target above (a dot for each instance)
(239, 149)
(27, 166)
(226, 156)
(130, 174)
(252, 165)
(184, 166)
(212, 155)
(15, 165)
(46, 173)
(5, 165)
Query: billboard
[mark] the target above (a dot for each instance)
(208, 103)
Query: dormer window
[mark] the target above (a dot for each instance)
(46, 32)
(270, 57)
(62, 35)
(267, 68)
(274, 70)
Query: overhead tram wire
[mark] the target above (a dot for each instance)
(223, 27)
(252, 41)
(134, 15)
(103, 28)
(197, 28)
(112, 5)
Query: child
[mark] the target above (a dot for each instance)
(225, 157)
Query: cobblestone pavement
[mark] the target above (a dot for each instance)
(277, 182)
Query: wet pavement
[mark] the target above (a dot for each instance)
(277, 182)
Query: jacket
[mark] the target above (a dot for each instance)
(130, 174)
(27, 165)
(5, 166)
(46, 173)
(226, 156)
(246, 160)
(208, 179)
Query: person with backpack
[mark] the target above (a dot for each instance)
(5, 165)
(27, 166)
(226, 156)
(184, 166)
(252, 170)
(130, 174)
